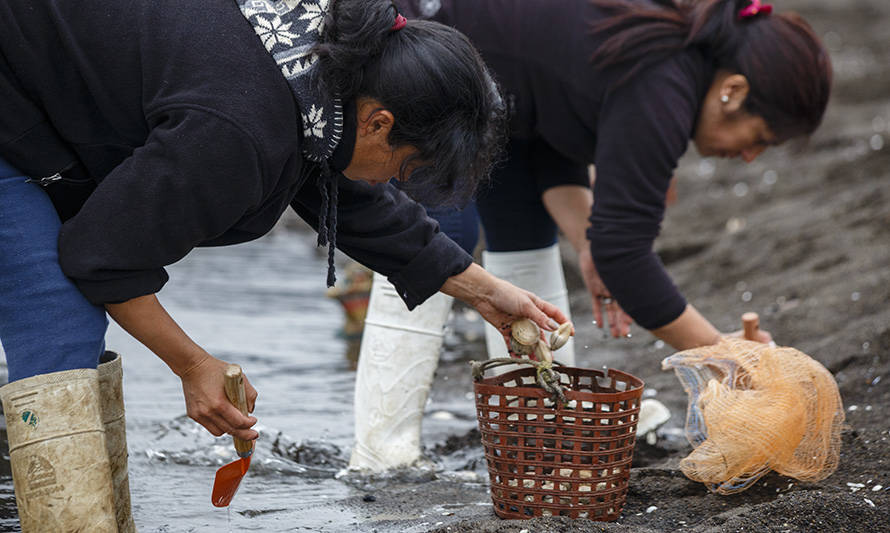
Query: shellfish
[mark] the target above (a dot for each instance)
(560, 337)
(543, 352)
(524, 337)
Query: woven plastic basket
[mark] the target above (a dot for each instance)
(546, 459)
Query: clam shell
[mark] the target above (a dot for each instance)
(560, 337)
(525, 332)
(524, 336)
(521, 349)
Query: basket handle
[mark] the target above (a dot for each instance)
(546, 376)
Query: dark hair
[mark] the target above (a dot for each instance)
(787, 67)
(435, 84)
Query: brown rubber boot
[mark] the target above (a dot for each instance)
(112, 398)
(60, 467)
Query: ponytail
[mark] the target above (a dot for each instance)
(434, 83)
(787, 67)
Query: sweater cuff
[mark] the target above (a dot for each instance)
(657, 314)
(440, 259)
(120, 290)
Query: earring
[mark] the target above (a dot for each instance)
(725, 98)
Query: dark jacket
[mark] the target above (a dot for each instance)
(182, 122)
(539, 52)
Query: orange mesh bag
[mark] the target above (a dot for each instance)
(755, 408)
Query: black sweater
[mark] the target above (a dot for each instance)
(182, 119)
(539, 51)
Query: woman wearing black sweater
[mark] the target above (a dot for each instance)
(157, 126)
(624, 85)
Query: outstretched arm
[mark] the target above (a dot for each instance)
(569, 206)
(202, 374)
(499, 302)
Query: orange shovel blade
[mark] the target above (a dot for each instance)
(228, 478)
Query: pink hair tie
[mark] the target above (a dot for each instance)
(756, 8)
(399, 23)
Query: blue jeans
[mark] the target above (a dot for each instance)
(46, 324)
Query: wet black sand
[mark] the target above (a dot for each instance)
(800, 236)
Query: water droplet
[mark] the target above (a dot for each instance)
(876, 381)
(746, 296)
(876, 142)
(855, 296)
(865, 346)
(770, 177)
(852, 408)
(706, 168)
(659, 344)
(740, 189)
(735, 225)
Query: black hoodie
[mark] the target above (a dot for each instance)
(178, 117)
(539, 51)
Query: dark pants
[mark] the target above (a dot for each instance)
(511, 211)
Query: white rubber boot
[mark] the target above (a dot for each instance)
(397, 361)
(60, 466)
(111, 391)
(538, 271)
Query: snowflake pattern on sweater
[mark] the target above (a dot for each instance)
(289, 29)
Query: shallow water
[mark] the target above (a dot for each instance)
(261, 305)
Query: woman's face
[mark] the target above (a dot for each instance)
(373, 160)
(378, 164)
(724, 128)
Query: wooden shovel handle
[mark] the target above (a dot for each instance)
(750, 324)
(235, 393)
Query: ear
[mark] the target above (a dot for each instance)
(374, 122)
(733, 92)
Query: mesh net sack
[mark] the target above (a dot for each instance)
(755, 408)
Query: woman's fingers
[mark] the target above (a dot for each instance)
(239, 425)
(225, 418)
(607, 311)
(624, 322)
(544, 314)
(597, 312)
(207, 404)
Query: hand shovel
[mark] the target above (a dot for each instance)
(228, 478)
(750, 324)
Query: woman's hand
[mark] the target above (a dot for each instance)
(619, 321)
(202, 374)
(501, 303)
(206, 402)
